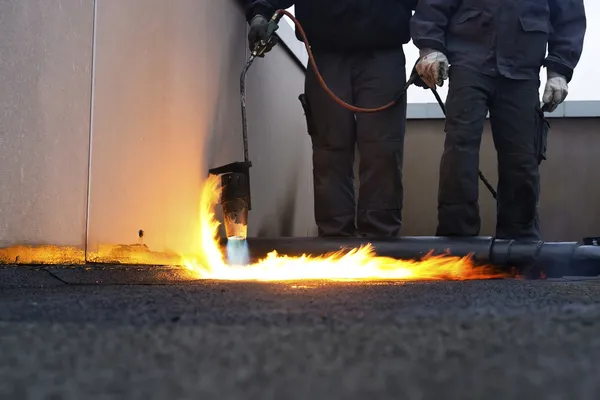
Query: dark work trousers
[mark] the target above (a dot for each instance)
(515, 117)
(367, 80)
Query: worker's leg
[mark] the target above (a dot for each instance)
(378, 78)
(458, 196)
(333, 142)
(514, 113)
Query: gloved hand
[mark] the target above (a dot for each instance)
(258, 33)
(556, 91)
(416, 78)
(432, 67)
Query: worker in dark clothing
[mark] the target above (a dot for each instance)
(495, 49)
(358, 49)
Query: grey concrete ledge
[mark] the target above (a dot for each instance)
(569, 109)
(91, 274)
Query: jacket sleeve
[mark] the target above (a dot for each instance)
(265, 7)
(430, 21)
(566, 38)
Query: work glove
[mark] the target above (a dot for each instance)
(258, 33)
(416, 79)
(556, 91)
(432, 67)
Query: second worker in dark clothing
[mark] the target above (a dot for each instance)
(495, 49)
(358, 50)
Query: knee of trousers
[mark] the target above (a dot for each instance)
(333, 176)
(381, 175)
(383, 158)
(520, 188)
(459, 164)
(333, 164)
(462, 140)
(382, 154)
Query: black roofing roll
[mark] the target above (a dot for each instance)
(532, 258)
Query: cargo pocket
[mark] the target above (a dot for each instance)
(543, 127)
(470, 31)
(310, 125)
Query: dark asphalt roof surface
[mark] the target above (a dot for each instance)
(213, 340)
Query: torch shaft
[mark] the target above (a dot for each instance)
(243, 106)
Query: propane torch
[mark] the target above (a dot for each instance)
(235, 177)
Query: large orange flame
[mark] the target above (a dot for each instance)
(356, 264)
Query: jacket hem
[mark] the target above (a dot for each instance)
(559, 68)
(431, 44)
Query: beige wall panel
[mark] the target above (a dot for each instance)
(165, 85)
(570, 189)
(167, 106)
(45, 83)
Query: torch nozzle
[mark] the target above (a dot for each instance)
(235, 197)
(238, 253)
(235, 202)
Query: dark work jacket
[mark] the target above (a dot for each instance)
(341, 25)
(506, 37)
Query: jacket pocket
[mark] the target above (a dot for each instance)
(531, 40)
(534, 24)
(471, 25)
(466, 15)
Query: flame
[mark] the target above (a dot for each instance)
(355, 264)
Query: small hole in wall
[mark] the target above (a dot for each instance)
(141, 233)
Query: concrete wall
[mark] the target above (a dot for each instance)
(163, 88)
(45, 81)
(165, 108)
(570, 189)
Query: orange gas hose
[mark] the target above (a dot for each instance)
(321, 81)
